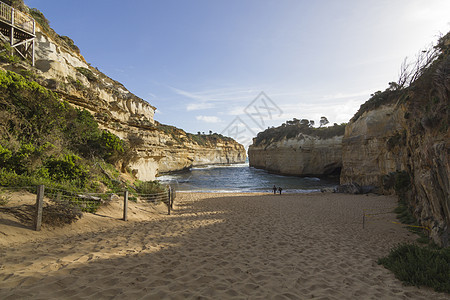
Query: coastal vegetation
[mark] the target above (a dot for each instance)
(428, 67)
(420, 265)
(44, 140)
(412, 263)
(44, 23)
(201, 139)
(296, 127)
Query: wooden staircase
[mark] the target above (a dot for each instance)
(17, 29)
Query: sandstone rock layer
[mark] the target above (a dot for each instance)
(116, 109)
(301, 156)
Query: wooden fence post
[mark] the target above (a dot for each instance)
(168, 201)
(39, 204)
(125, 205)
(174, 194)
(170, 197)
(364, 219)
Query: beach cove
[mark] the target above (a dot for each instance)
(213, 246)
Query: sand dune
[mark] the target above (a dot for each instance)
(214, 246)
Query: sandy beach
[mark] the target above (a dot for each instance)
(213, 246)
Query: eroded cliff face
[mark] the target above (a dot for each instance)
(158, 151)
(116, 109)
(67, 73)
(304, 155)
(410, 135)
(373, 146)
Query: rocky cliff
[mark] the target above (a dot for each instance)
(162, 149)
(406, 131)
(300, 150)
(366, 155)
(60, 67)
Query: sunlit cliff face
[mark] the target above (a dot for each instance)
(126, 115)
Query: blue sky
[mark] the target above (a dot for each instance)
(202, 62)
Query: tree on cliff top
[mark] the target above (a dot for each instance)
(323, 121)
(294, 128)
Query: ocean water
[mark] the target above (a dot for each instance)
(241, 178)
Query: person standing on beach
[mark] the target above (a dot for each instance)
(274, 189)
(280, 189)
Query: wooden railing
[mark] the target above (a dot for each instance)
(17, 18)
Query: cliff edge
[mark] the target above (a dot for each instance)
(400, 141)
(157, 148)
(296, 148)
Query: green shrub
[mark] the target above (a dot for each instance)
(30, 111)
(40, 18)
(199, 139)
(69, 43)
(10, 178)
(43, 137)
(377, 99)
(5, 55)
(28, 74)
(22, 160)
(17, 4)
(87, 73)
(82, 132)
(402, 182)
(112, 146)
(292, 129)
(149, 187)
(68, 169)
(45, 24)
(419, 266)
(5, 156)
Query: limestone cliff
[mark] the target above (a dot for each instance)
(407, 131)
(366, 155)
(304, 156)
(161, 149)
(298, 150)
(60, 67)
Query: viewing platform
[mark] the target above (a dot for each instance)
(18, 30)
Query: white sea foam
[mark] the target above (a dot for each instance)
(312, 178)
(293, 191)
(242, 165)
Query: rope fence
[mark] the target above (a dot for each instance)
(69, 201)
(373, 215)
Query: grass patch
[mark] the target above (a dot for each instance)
(420, 266)
(405, 216)
(4, 197)
(149, 187)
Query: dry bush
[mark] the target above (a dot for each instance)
(59, 214)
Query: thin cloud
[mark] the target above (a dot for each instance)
(199, 106)
(214, 98)
(208, 119)
(341, 95)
